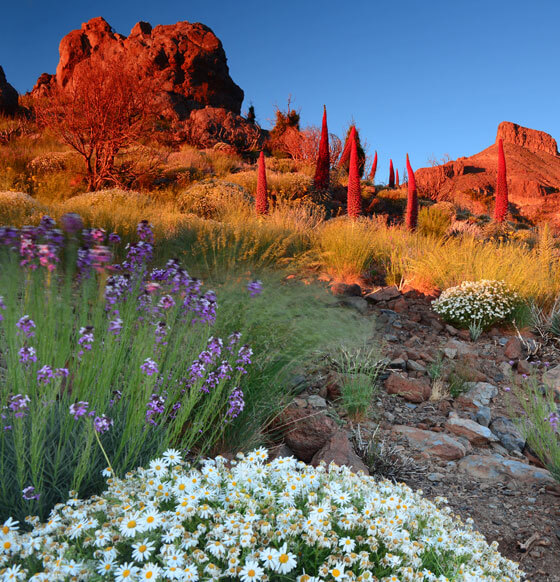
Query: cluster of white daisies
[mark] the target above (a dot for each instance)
(251, 520)
(476, 302)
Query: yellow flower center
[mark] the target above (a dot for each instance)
(107, 567)
(283, 558)
(336, 572)
(251, 573)
(131, 524)
(6, 529)
(142, 548)
(150, 519)
(7, 545)
(149, 575)
(126, 573)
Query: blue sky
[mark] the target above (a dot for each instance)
(425, 77)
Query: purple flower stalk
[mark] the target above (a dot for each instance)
(102, 423)
(30, 494)
(27, 354)
(145, 232)
(26, 325)
(236, 404)
(554, 421)
(255, 288)
(47, 256)
(86, 340)
(149, 367)
(79, 409)
(45, 375)
(115, 326)
(72, 223)
(98, 235)
(100, 257)
(19, 404)
(114, 238)
(2, 306)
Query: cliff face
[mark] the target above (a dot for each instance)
(533, 175)
(186, 60)
(8, 96)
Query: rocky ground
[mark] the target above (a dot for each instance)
(464, 446)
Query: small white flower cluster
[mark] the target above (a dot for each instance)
(253, 521)
(481, 303)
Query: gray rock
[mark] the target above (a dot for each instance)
(383, 294)
(450, 353)
(415, 366)
(483, 416)
(357, 303)
(495, 468)
(508, 433)
(316, 401)
(391, 338)
(397, 364)
(432, 443)
(476, 434)
(479, 393)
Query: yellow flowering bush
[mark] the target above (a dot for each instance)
(17, 208)
(251, 520)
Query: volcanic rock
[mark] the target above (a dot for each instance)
(338, 449)
(8, 96)
(410, 389)
(533, 175)
(186, 60)
(432, 443)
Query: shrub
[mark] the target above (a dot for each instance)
(214, 199)
(249, 519)
(17, 209)
(284, 186)
(481, 303)
(434, 221)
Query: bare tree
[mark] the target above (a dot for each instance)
(103, 109)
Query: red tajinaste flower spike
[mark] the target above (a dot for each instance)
(261, 199)
(391, 175)
(501, 207)
(321, 180)
(354, 200)
(412, 201)
(373, 168)
(345, 156)
(397, 184)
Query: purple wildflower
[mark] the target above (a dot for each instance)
(98, 235)
(166, 302)
(45, 375)
(27, 250)
(255, 288)
(84, 261)
(102, 423)
(145, 232)
(72, 223)
(244, 357)
(100, 257)
(115, 326)
(47, 256)
(19, 404)
(29, 493)
(117, 395)
(62, 372)
(236, 404)
(79, 409)
(27, 354)
(554, 421)
(2, 306)
(86, 340)
(26, 325)
(161, 332)
(149, 367)
(156, 405)
(114, 238)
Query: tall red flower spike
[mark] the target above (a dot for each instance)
(391, 175)
(347, 147)
(412, 201)
(321, 180)
(397, 184)
(373, 168)
(261, 199)
(354, 203)
(501, 207)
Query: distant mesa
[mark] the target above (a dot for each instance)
(533, 175)
(8, 96)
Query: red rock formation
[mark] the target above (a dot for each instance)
(186, 59)
(533, 176)
(8, 96)
(321, 180)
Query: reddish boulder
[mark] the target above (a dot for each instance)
(431, 443)
(186, 60)
(8, 96)
(338, 449)
(410, 389)
(305, 432)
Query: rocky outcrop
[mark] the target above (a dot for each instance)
(186, 61)
(531, 139)
(533, 175)
(8, 96)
